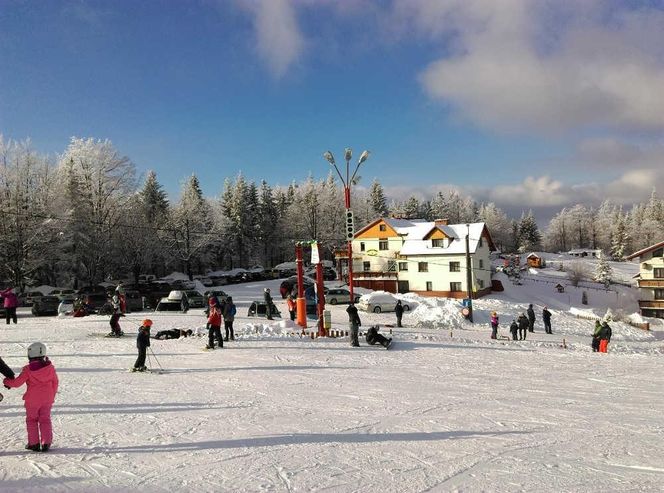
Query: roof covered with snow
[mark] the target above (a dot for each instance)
(415, 244)
(646, 250)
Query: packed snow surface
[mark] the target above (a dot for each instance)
(444, 409)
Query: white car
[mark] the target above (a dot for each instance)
(380, 302)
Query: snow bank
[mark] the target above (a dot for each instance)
(437, 313)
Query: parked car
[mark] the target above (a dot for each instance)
(259, 309)
(169, 305)
(133, 300)
(92, 290)
(60, 293)
(221, 295)
(45, 305)
(195, 299)
(218, 280)
(339, 295)
(290, 285)
(30, 297)
(95, 301)
(380, 302)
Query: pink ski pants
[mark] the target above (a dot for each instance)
(38, 422)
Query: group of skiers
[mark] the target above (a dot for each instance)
(523, 324)
(217, 312)
(601, 337)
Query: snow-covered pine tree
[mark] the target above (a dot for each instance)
(377, 200)
(603, 271)
(619, 237)
(412, 208)
(529, 235)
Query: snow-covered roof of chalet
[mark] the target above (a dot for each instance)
(404, 226)
(645, 250)
(415, 244)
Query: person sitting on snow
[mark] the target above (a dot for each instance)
(373, 337)
(173, 333)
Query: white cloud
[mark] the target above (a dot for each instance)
(279, 40)
(541, 66)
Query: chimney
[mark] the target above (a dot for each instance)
(441, 222)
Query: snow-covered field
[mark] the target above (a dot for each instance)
(445, 409)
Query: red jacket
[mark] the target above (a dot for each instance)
(42, 382)
(214, 318)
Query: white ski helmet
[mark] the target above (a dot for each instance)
(36, 350)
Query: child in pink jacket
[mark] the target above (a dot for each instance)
(42, 382)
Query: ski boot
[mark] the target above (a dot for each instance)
(45, 447)
(34, 448)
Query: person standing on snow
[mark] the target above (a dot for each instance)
(398, 310)
(42, 382)
(523, 326)
(268, 303)
(546, 318)
(514, 329)
(494, 325)
(116, 331)
(292, 306)
(120, 291)
(214, 325)
(355, 323)
(604, 337)
(531, 318)
(142, 344)
(596, 333)
(228, 311)
(10, 303)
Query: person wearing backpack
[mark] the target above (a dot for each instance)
(229, 311)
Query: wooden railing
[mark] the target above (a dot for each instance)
(367, 275)
(651, 303)
(651, 283)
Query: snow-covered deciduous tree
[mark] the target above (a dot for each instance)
(191, 231)
(576, 272)
(497, 223)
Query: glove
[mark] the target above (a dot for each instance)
(8, 387)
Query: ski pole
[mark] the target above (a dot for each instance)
(149, 361)
(155, 358)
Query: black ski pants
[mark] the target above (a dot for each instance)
(399, 316)
(522, 333)
(10, 314)
(140, 361)
(547, 326)
(228, 328)
(214, 332)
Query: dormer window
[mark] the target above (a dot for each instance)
(438, 243)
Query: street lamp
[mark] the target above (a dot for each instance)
(347, 183)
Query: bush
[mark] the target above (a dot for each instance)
(576, 272)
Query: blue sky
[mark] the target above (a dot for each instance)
(528, 104)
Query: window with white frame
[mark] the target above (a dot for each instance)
(455, 266)
(366, 266)
(382, 245)
(403, 266)
(391, 266)
(438, 243)
(455, 286)
(422, 267)
(362, 247)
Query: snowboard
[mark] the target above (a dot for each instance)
(149, 370)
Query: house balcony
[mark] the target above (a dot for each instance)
(658, 304)
(651, 283)
(373, 275)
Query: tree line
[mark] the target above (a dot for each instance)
(84, 216)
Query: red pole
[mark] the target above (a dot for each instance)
(321, 293)
(301, 303)
(350, 244)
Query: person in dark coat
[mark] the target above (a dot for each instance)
(514, 329)
(523, 326)
(531, 318)
(604, 337)
(355, 324)
(373, 337)
(398, 310)
(5, 370)
(142, 343)
(268, 303)
(546, 318)
(228, 312)
(292, 306)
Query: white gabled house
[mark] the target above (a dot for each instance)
(651, 279)
(425, 257)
